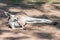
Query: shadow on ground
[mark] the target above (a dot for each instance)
(44, 35)
(4, 31)
(16, 38)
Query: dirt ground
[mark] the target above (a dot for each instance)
(33, 31)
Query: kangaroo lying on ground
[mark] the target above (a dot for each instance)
(22, 19)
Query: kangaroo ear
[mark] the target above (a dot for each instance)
(7, 14)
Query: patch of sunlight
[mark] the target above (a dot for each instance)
(2, 4)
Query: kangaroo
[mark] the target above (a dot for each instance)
(22, 18)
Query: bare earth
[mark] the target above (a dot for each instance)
(32, 31)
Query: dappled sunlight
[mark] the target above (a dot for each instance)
(31, 31)
(3, 4)
(15, 9)
(33, 12)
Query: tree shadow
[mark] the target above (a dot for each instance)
(34, 5)
(57, 6)
(44, 35)
(11, 1)
(20, 3)
(2, 14)
(47, 9)
(42, 16)
(16, 38)
(3, 31)
(28, 5)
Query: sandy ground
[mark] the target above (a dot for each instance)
(32, 31)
